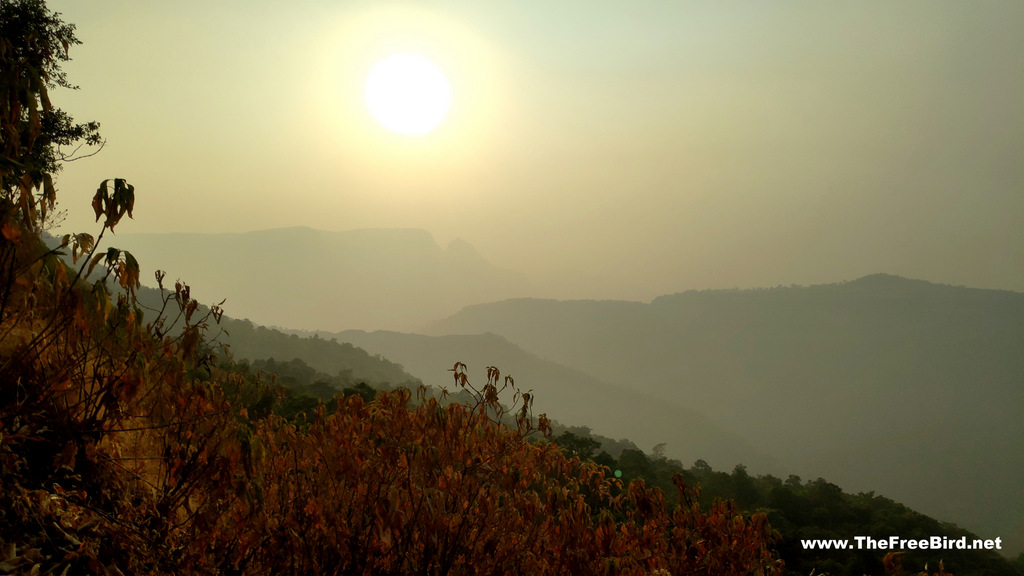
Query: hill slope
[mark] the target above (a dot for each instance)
(901, 386)
(569, 396)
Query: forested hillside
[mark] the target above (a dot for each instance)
(798, 509)
(571, 396)
(802, 510)
(248, 341)
(870, 383)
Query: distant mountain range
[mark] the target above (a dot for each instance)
(576, 398)
(909, 388)
(303, 278)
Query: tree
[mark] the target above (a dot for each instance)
(743, 487)
(35, 134)
(582, 447)
(86, 479)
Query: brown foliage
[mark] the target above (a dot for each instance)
(893, 563)
(128, 455)
(123, 452)
(385, 488)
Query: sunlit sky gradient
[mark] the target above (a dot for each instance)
(604, 149)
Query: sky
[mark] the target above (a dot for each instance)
(604, 149)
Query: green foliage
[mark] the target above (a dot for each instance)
(871, 363)
(814, 509)
(335, 359)
(579, 446)
(292, 389)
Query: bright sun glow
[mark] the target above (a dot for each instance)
(407, 94)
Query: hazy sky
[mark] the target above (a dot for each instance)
(604, 149)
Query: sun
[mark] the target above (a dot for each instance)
(408, 94)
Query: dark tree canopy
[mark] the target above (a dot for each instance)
(35, 136)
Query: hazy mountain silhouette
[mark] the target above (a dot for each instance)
(305, 278)
(909, 388)
(569, 396)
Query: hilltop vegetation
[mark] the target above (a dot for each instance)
(610, 409)
(798, 509)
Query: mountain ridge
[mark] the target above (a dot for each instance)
(370, 278)
(908, 378)
(568, 395)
